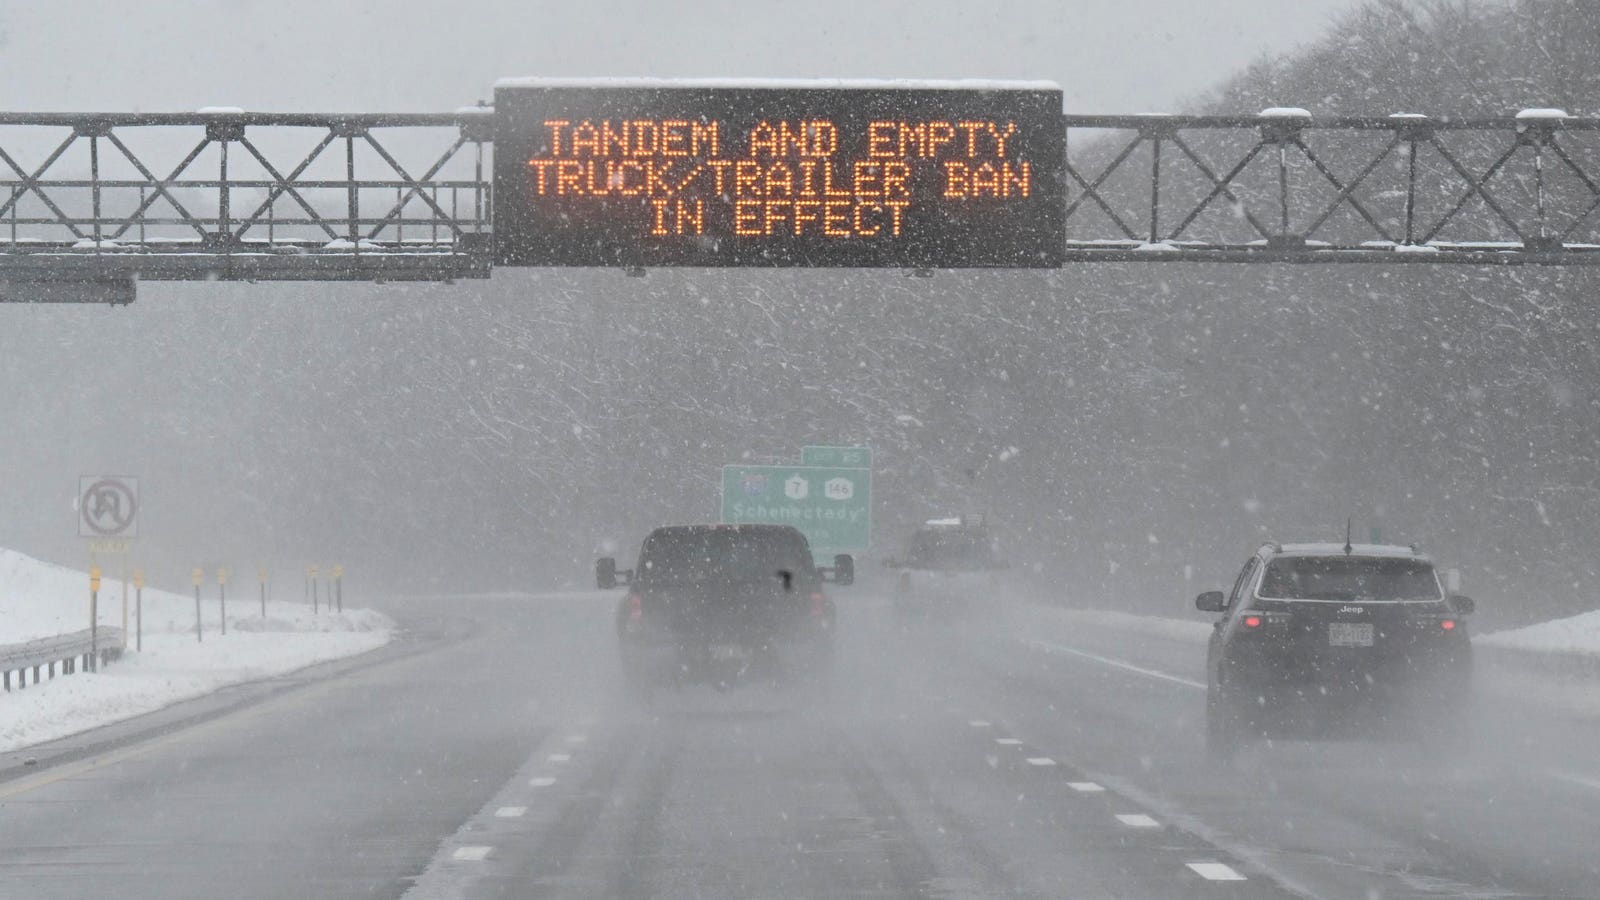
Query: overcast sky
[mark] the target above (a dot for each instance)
(428, 55)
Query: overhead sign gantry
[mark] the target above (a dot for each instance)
(641, 173)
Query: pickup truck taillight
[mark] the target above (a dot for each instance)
(819, 607)
(635, 608)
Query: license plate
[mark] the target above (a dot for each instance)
(1350, 634)
(735, 652)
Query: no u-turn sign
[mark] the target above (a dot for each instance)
(108, 506)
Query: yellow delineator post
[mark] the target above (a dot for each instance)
(138, 609)
(197, 576)
(94, 618)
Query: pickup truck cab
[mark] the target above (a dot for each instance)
(724, 605)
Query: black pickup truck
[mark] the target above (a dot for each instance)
(724, 605)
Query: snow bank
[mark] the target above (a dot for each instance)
(1578, 634)
(38, 599)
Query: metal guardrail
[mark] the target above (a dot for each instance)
(64, 651)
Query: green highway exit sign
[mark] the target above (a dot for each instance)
(831, 505)
(843, 457)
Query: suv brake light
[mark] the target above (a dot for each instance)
(635, 607)
(819, 607)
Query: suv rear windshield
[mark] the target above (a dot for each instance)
(1349, 578)
(733, 554)
(951, 548)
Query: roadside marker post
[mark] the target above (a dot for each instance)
(338, 585)
(311, 573)
(261, 575)
(197, 576)
(222, 595)
(138, 609)
(94, 618)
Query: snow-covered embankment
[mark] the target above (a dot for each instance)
(38, 599)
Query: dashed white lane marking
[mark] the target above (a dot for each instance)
(475, 853)
(1590, 783)
(1048, 647)
(1215, 871)
(1040, 761)
(510, 812)
(577, 738)
(559, 757)
(1085, 787)
(1007, 742)
(541, 782)
(1137, 820)
(978, 723)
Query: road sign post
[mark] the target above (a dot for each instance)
(138, 609)
(222, 595)
(197, 576)
(832, 506)
(94, 618)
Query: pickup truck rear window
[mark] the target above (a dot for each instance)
(957, 550)
(722, 554)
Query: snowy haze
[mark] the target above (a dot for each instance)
(407, 55)
(1124, 424)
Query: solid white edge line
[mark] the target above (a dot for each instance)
(472, 853)
(1215, 871)
(510, 812)
(1048, 647)
(1137, 820)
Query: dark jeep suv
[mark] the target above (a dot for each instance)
(1328, 640)
(724, 605)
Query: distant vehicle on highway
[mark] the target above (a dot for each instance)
(948, 564)
(1331, 640)
(724, 605)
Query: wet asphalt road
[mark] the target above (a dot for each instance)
(490, 753)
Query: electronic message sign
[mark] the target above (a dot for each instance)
(661, 173)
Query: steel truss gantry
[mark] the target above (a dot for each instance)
(1283, 186)
(92, 203)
